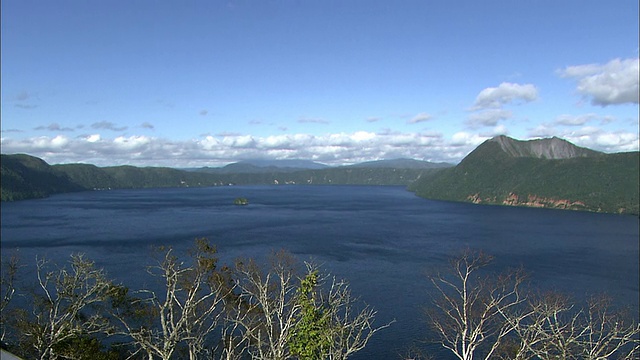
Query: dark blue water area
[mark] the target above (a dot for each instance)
(383, 240)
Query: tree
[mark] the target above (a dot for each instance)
(351, 323)
(187, 310)
(282, 315)
(468, 308)
(265, 307)
(64, 307)
(311, 336)
(7, 290)
(555, 329)
(249, 311)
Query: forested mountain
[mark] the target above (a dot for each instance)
(263, 166)
(550, 173)
(25, 176)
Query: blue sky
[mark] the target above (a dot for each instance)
(206, 83)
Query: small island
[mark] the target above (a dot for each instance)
(241, 201)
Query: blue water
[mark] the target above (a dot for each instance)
(382, 239)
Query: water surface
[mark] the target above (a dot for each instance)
(382, 239)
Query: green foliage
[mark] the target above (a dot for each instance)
(602, 182)
(27, 177)
(311, 337)
(241, 201)
(85, 348)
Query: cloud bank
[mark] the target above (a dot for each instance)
(333, 148)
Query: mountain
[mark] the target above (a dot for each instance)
(401, 164)
(92, 177)
(264, 166)
(286, 164)
(552, 149)
(27, 177)
(550, 173)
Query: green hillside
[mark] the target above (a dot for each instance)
(25, 177)
(28, 177)
(489, 175)
(551, 173)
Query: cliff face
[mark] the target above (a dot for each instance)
(532, 200)
(552, 149)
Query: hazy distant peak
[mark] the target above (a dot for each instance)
(401, 163)
(288, 163)
(549, 148)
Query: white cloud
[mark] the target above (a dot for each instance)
(93, 138)
(307, 120)
(542, 131)
(574, 120)
(53, 127)
(241, 141)
(108, 126)
(489, 117)
(615, 82)
(598, 139)
(363, 136)
(59, 141)
(131, 142)
(332, 148)
(336, 148)
(463, 138)
(497, 130)
(581, 120)
(505, 93)
(422, 117)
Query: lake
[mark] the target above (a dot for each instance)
(381, 239)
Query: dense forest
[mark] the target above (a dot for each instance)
(490, 175)
(25, 177)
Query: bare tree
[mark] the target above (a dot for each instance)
(9, 270)
(187, 310)
(351, 322)
(63, 306)
(468, 309)
(234, 344)
(265, 307)
(555, 328)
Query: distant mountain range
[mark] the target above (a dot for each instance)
(263, 166)
(267, 166)
(25, 176)
(549, 173)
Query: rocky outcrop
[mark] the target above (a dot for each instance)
(552, 148)
(531, 200)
